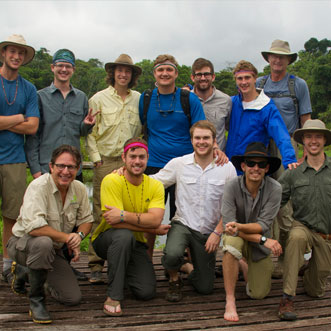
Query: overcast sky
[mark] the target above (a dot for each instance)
(224, 32)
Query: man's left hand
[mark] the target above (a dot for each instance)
(221, 157)
(231, 228)
(212, 243)
(73, 240)
(292, 165)
(90, 119)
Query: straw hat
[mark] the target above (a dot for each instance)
(280, 47)
(125, 60)
(18, 40)
(257, 150)
(312, 126)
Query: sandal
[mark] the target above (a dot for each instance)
(114, 304)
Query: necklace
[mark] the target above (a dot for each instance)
(142, 194)
(4, 91)
(172, 105)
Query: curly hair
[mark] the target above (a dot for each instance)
(163, 58)
(110, 79)
(245, 65)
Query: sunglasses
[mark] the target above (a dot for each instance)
(261, 164)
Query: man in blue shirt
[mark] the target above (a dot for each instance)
(168, 126)
(19, 116)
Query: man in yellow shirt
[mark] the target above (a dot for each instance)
(132, 204)
(117, 122)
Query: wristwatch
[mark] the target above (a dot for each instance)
(81, 234)
(263, 240)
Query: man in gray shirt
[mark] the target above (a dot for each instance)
(250, 203)
(216, 104)
(64, 116)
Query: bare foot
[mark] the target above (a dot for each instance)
(112, 307)
(187, 268)
(231, 311)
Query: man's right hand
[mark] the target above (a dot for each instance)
(36, 175)
(162, 229)
(274, 246)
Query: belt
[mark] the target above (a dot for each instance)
(325, 236)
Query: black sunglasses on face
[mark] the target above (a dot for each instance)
(261, 164)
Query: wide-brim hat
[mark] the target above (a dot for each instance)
(257, 150)
(312, 126)
(18, 40)
(125, 60)
(280, 47)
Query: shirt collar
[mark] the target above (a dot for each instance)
(54, 89)
(243, 185)
(304, 166)
(113, 91)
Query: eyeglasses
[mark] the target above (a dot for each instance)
(63, 166)
(66, 66)
(200, 74)
(261, 164)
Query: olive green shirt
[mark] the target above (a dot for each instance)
(310, 192)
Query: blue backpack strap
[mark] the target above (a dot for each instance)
(147, 101)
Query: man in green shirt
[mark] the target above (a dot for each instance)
(309, 188)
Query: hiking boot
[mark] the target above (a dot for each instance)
(174, 293)
(79, 275)
(7, 276)
(286, 310)
(96, 277)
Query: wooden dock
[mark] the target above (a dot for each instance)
(194, 312)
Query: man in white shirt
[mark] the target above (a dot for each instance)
(196, 224)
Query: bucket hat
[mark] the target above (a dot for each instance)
(18, 40)
(312, 126)
(254, 150)
(125, 60)
(280, 47)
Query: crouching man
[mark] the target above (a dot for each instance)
(133, 204)
(250, 203)
(53, 205)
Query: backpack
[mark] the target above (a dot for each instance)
(291, 88)
(184, 101)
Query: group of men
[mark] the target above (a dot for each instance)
(185, 152)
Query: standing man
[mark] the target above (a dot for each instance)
(290, 93)
(19, 116)
(64, 116)
(117, 122)
(167, 121)
(291, 96)
(309, 188)
(197, 222)
(54, 204)
(132, 204)
(216, 104)
(250, 203)
(254, 117)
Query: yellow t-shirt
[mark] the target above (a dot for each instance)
(149, 194)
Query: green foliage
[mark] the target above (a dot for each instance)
(225, 82)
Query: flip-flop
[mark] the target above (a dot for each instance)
(114, 304)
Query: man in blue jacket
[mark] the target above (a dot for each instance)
(254, 117)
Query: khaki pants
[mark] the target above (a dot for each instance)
(259, 273)
(39, 253)
(302, 240)
(108, 166)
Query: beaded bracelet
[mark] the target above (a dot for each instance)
(122, 216)
(217, 233)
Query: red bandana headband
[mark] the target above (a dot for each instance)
(135, 144)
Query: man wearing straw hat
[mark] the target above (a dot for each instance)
(291, 96)
(250, 203)
(19, 116)
(309, 188)
(117, 122)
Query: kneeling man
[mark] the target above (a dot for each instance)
(309, 188)
(53, 205)
(250, 203)
(132, 204)
(196, 224)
